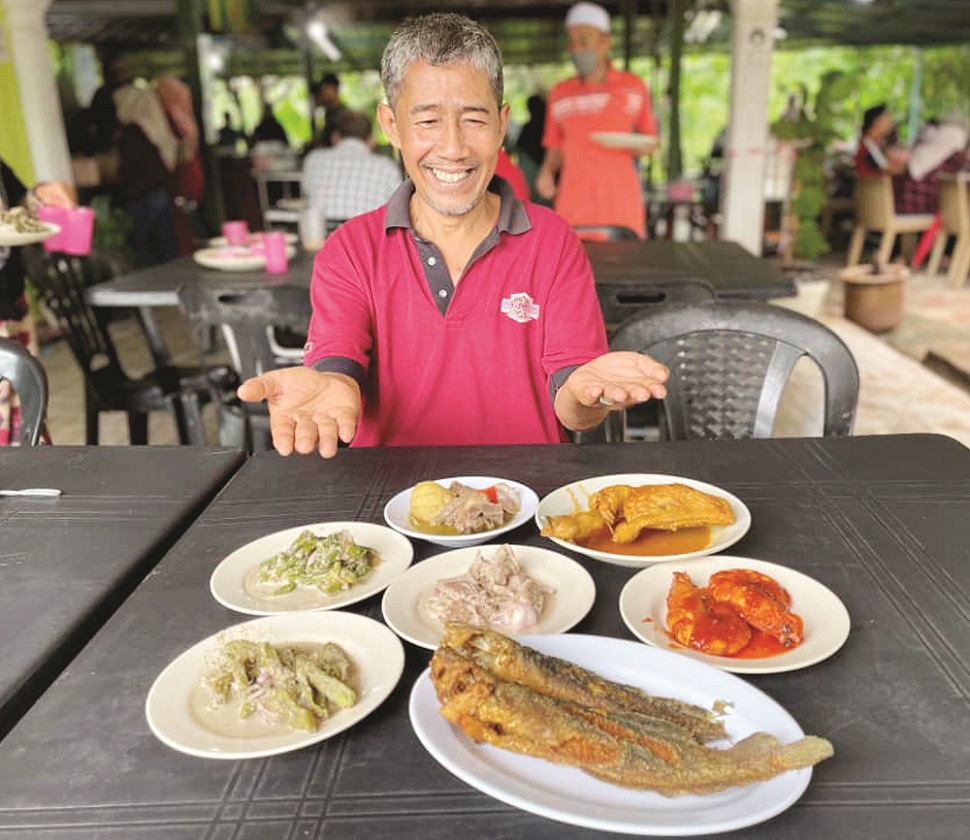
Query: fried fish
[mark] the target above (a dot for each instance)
(510, 696)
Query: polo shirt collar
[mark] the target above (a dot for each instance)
(512, 215)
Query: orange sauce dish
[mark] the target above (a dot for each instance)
(653, 543)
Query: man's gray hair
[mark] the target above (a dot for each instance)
(440, 38)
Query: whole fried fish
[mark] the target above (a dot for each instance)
(606, 739)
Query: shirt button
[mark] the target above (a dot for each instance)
(432, 261)
(443, 293)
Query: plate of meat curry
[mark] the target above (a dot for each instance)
(637, 519)
(735, 613)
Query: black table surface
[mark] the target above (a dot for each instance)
(733, 271)
(882, 521)
(66, 563)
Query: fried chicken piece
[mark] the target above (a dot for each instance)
(575, 527)
(670, 507)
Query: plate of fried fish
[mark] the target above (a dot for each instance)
(735, 613)
(637, 519)
(610, 734)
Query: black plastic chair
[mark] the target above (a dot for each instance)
(622, 301)
(29, 381)
(729, 362)
(248, 317)
(61, 282)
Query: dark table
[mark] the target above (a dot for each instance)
(158, 285)
(66, 563)
(881, 521)
(629, 272)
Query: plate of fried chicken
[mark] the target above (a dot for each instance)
(637, 519)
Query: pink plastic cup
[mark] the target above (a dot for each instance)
(56, 216)
(275, 244)
(78, 231)
(236, 233)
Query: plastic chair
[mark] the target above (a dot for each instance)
(61, 282)
(729, 362)
(954, 221)
(248, 317)
(29, 381)
(875, 210)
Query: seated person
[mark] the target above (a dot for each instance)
(878, 151)
(454, 314)
(269, 129)
(349, 178)
(940, 148)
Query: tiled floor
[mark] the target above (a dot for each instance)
(899, 393)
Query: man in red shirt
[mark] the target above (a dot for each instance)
(455, 314)
(598, 184)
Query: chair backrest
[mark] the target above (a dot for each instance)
(729, 362)
(955, 202)
(620, 302)
(874, 208)
(29, 381)
(61, 282)
(605, 233)
(247, 316)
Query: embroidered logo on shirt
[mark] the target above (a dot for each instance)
(519, 307)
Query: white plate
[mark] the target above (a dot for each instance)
(252, 239)
(228, 580)
(10, 236)
(377, 653)
(397, 512)
(624, 139)
(573, 597)
(571, 796)
(560, 502)
(230, 258)
(643, 606)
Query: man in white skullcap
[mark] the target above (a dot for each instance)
(598, 179)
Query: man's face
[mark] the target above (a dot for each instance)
(585, 38)
(329, 95)
(448, 129)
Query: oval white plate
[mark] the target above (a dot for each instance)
(377, 654)
(643, 607)
(10, 236)
(624, 139)
(228, 580)
(560, 502)
(571, 796)
(565, 608)
(397, 512)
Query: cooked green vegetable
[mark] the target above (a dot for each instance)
(287, 685)
(329, 563)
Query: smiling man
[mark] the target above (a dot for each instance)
(455, 314)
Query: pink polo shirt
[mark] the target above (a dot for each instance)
(598, 185)
(474, 364)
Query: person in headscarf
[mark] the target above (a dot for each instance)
(148, 151)
(15, 320)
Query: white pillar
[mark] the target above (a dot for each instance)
(41, 102)
(753, 24)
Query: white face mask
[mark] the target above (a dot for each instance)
(585, 61)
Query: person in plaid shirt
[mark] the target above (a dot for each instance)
(940, 148)
(349, 178)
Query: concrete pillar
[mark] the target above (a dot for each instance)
(41, 102)
(742, 203)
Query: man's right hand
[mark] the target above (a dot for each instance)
(307, 409)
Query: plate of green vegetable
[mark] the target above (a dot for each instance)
(274, 684)
(321, 566)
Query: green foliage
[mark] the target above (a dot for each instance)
(112, 227)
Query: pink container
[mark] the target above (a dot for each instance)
(236, 233)
(56, 216)
(78, 231)
(275, 246)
